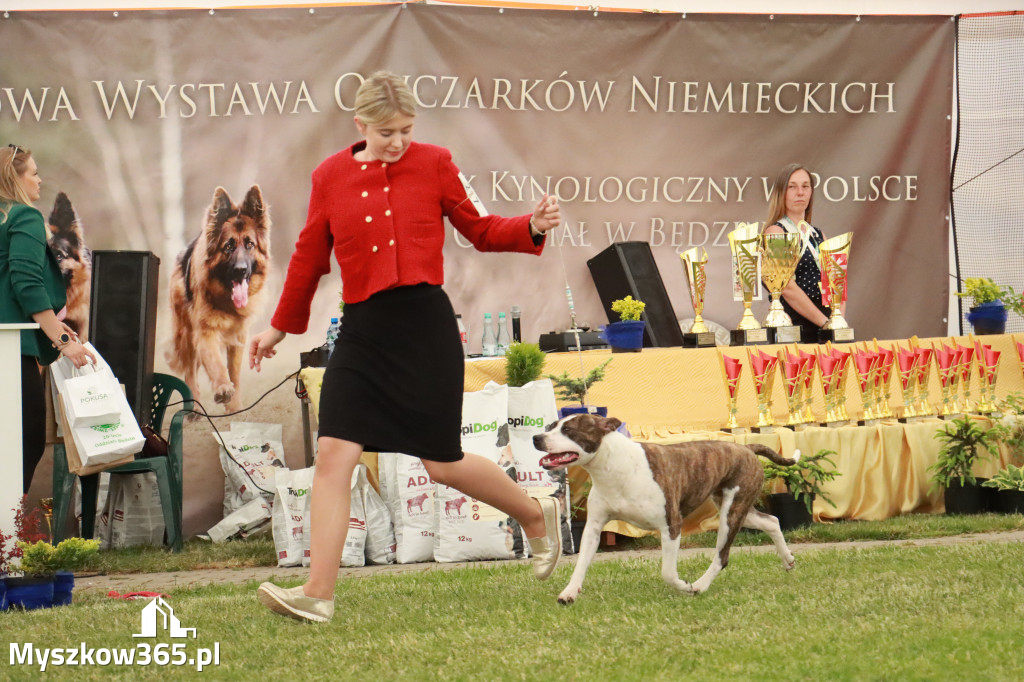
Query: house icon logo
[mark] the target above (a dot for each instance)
(159, 613)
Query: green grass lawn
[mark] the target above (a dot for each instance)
(260, 551)
(885, 613)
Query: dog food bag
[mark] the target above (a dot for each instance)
(247, 518)
(530, 408)
(409, 493)
(136, 516)
(354, 552)
(467, 529)
(380, 530)
(291, 507)
(250, 456)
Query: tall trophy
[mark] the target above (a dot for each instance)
(744, 242)
(780, 254)
(698, 336)
(835, 256)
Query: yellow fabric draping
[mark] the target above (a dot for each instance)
(672, 395)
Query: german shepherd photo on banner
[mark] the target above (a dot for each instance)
(68, 245)
(215, 289)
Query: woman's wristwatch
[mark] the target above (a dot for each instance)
(63, 340)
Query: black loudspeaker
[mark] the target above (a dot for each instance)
(122, 323)
(628, 269)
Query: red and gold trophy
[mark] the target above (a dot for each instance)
(698, 336)
(732, 368)
(762, 369)
(924, 366)
(1020, 352)
(832, 367)
(906, 366)
(808, 361)
(947, 365)
(791, 367)
(886, 359)
(835, 257)
(865, 364)
(966, 364)
(988, 371)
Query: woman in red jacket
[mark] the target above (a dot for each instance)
(395, 379)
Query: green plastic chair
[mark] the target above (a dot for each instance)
(168, 469)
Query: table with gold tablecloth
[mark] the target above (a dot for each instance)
(670, 395)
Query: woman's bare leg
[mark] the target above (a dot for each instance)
(330, 508)
(484, 480)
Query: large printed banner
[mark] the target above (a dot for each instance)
(647, 127)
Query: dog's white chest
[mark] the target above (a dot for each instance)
(624, 485)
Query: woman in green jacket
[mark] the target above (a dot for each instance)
(31, 290)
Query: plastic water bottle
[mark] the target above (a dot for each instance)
(464, 335)
(503, 339)
(489, 342)
(332, 335)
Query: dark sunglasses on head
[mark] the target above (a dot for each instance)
(16, 149)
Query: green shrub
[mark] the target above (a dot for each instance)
(960, 450)
(524, 363)
(804, 478)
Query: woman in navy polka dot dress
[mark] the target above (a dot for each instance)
(789, 207)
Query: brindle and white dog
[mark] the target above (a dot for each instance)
(655, 487)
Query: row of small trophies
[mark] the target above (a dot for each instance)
(771, 258)
(873, 368)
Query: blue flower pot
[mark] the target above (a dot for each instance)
(626, 336)
(578, 409)
(30, 593)
(63, 584)
(988, 318)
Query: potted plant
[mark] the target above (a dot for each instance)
(626, 335)
(803, 482)
(1009, 484)
(34, 573)
(1009, 429)
(48, 571)
(524, 363)
(575, 389)
(991, 301)
(963, 441)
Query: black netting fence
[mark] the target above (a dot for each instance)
(988, 163)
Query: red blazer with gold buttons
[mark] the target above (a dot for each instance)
(385, 224)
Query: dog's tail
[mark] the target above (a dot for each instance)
(773, 456)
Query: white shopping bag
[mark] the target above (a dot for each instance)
(101, 443)
(90, 397)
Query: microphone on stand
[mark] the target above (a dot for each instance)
(516, 334)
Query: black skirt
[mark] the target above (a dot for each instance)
(395, 379)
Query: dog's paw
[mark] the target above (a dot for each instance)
(568, 597)
(223, 393)
(788, 565)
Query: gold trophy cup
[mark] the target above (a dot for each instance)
(698, 336)
(744, 243)
(835, 255)
(780, 254)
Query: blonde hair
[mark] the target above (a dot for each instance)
(13, 164)
(777, 202)
(383, 96)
